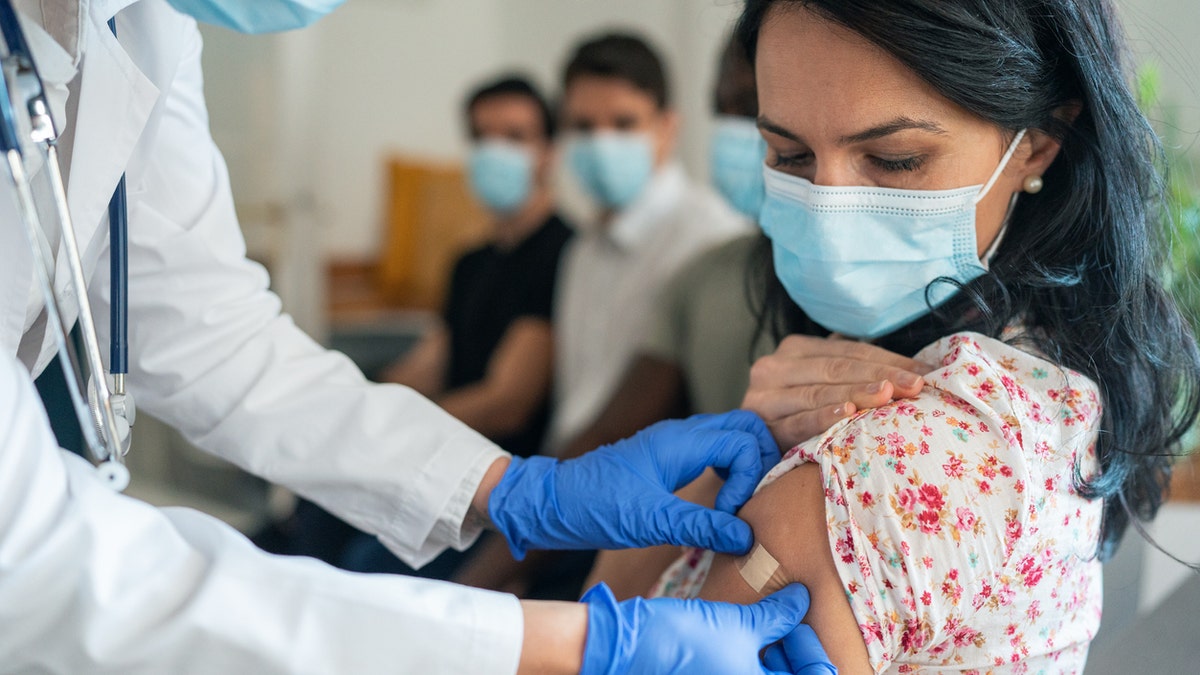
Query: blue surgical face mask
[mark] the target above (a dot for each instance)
(614, 167)
(858, 260)
(501, 174)
(738, 154)
(257, 16)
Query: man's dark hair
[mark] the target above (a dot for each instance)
(513, 85)
(622, 56)
(736, 92)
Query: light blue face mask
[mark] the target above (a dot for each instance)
(614, 167)
(858, 260)
(738, 154)
(501, 174)
(257, 16)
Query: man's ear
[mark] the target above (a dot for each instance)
(668, 135)
(547, 156)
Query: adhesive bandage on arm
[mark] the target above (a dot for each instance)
(761, 570)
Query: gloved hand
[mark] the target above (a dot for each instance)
(663, 635)
(799, 652)
(619, 496)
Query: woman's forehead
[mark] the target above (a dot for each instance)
(814, 72)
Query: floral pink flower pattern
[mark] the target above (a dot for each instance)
(954, 520)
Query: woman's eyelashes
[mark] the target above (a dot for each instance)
(911, 163)
(791, 161)
(802, 160)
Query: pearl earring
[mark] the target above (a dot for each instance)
(1033, 184)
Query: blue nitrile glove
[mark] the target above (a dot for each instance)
(619, 495)
(664, 635)
(799, 652)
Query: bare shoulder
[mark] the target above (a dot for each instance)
(788, 518)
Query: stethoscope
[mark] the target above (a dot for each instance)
(107, 413)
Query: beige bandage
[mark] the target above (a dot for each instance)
(761, 570)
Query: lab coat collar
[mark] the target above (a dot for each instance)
(56, 64)
(642, 218)
(103, 10)
(57, 67)
(116, 100)
(60, 19)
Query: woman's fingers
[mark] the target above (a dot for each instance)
(773, 404)
(777, 371)
(803, 346)
(795, 429)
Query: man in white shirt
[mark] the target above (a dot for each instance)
(653, 219)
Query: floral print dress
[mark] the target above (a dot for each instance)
(954, 520)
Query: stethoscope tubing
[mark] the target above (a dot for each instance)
(100, 420)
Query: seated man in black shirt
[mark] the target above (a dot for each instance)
(490, 361)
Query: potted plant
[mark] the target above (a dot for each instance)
(1182, 221)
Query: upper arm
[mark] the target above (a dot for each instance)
(652, 390)
(516, 383)
(423, 368)
(523, 364)
(800, 542)
(900, 520)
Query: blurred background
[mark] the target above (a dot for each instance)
(344, 144)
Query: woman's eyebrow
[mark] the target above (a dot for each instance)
(879, 131)
(765, 124)
(891, 127)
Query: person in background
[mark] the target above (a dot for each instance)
(703, 337)
(652, 220)
(489, 360)
(695, 355)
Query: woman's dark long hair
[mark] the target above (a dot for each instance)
(1082, 260)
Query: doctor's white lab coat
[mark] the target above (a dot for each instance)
(95, 582)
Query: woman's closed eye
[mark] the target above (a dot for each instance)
(910, 163)
(790, 161)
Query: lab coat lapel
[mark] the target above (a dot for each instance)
(115, 103)
(57, 68)
(16, 273)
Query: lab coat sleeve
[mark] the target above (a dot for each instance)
(212, 355)
(91, 581)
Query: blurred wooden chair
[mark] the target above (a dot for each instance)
(429, 219)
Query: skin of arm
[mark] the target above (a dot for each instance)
(517, 382)
(652, 390)
(555, 636)
(423, 369)
(493, 567)
(788, 519)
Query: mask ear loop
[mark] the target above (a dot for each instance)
(991, 251)
(1012, 149)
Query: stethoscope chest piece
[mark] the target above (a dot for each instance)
(123, 408)
(113, 474)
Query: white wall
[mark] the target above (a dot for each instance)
(307, 118)
(383, 76)
(1167, 32)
